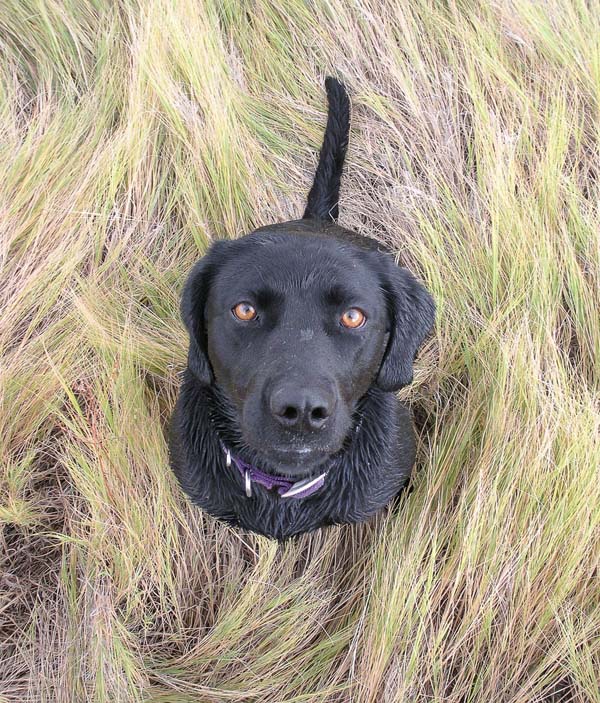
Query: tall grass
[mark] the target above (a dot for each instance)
(133, 133)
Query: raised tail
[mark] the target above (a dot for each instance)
(322, 203)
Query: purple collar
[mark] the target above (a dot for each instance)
(285, 486)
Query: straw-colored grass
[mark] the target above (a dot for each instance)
(135, 132)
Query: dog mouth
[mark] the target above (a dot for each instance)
(295, 461)
(295, 451)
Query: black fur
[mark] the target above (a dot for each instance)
(372, 468)
(300, 276)
(322, 202)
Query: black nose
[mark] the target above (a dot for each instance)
(301, 408)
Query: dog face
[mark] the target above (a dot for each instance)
(294, 329)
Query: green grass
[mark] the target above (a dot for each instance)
(134, 133)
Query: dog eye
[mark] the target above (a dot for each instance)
(353, 318)
(244, 312)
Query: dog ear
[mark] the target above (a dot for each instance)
(193, 310)
(411, 313)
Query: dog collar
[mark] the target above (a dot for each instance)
(285, 486)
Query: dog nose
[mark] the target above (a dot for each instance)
(301, 408)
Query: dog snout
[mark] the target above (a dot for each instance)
(302, 408)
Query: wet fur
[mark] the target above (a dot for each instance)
(376, 458)
(373, 467)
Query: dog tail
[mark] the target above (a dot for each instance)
(322, 203)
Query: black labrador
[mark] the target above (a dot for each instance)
(300, 333)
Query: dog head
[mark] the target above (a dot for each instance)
(293, 325)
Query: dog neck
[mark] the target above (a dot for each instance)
(285, 486)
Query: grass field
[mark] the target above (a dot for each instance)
(134, 133)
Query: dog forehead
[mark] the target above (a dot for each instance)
(296, 264)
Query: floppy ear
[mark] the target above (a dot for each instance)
(193, 310)
(411, 313)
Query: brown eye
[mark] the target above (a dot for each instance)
(244, 312)
(353, 318)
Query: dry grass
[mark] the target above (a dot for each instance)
(136, 131)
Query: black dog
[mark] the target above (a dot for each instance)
(300, 333)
